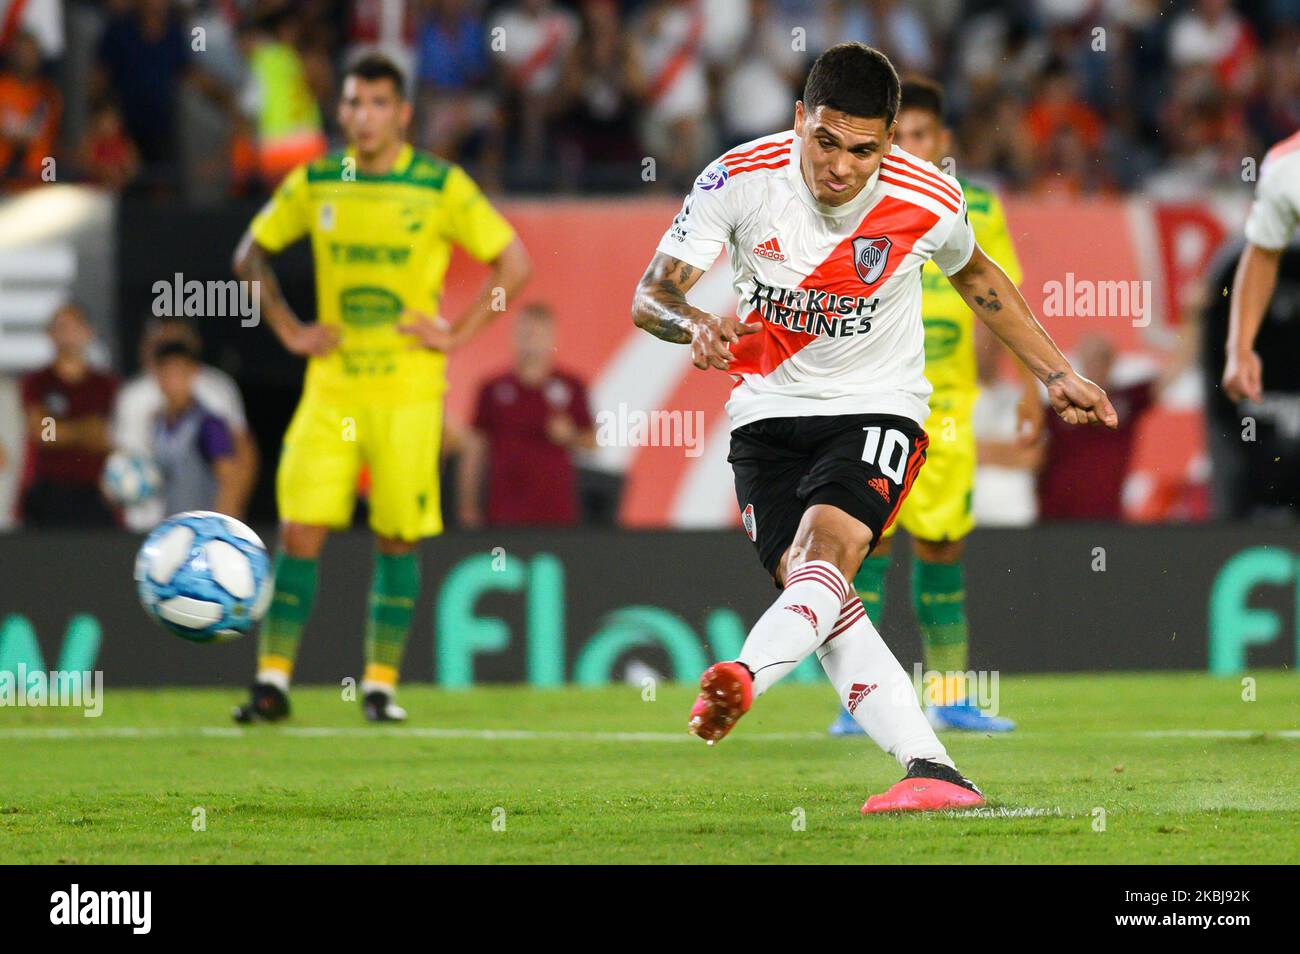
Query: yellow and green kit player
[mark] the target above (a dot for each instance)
(382, 219)
(937, 513)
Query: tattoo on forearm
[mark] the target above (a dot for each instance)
(1054, 377)
(660, 306)
(991, 303)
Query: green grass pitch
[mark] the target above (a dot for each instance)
(1184, 769)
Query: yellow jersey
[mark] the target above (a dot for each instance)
(949, 323)
(380, 244)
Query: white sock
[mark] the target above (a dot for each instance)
(796, 624)
(875, 689)
(368, 686)
(274, 677)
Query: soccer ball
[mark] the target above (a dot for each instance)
(129, 479)
(204, 576)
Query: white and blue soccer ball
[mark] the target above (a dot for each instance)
(129, 479)
(204, 576)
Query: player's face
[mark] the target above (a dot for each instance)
(921, 134)
(840, 152)
(373, 114)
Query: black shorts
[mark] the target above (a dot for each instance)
(863, 464)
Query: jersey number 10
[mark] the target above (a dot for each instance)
(889, 453)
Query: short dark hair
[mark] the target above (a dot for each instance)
(923, 94)
(856, 79)
(175, 349)
(374, 66)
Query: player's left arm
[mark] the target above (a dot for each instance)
(994, 236)
(511, 270)
(993, 296)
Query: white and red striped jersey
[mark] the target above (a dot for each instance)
(837, 288)
(1276, 210)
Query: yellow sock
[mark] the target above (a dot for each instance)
(379, 677)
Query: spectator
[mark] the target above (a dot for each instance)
(144, 59)
(600, 93)
(30, 107)
(538, 35)
(1058, 107)
(43, 19)
(1213, 35)
(107, 156)
(527, 423)
(670, 37)
(386, 27)
(1085, 467)
(902, 32)
(141, 401)
(67, 407)
(193, 447)
(278, 98)
(761, 85)
(456, 114)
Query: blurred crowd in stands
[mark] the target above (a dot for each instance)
(209, 98)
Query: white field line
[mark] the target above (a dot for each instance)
(528, 735)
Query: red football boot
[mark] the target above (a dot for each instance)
(726, 690)
(928, 786)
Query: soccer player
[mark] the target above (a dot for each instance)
(827, 227)
(937, 512)
(1272, 221)
(382, 219)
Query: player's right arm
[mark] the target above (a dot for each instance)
(659, 306)
(281, 222)
(687, 250)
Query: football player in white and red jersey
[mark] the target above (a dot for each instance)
(827, 227)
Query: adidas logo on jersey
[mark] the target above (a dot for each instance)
(880, 486)
(771, 249)
(857, 692)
